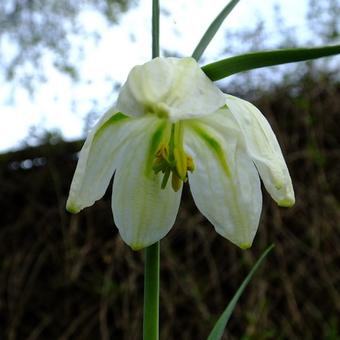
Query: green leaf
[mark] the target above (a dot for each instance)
(212, 29)
(217, 332)
(245, 62)
(155, 28)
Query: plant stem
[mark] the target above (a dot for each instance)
(155, 28)
(152, 253)
(151, 292)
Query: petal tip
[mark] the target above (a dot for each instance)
(72, 208)
(137, 246)
(245, 246)
(286, 203)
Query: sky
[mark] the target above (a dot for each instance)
(60, 104)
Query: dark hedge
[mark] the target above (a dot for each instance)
(71, 277)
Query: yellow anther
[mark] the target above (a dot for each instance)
(162, 152)
(158, 165)
(190, 164)
(161, 162)
(181, 163)
(175, 182)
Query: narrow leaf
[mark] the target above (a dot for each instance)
(245, 62)
(212, 29)
(155, 28)
(217, 332)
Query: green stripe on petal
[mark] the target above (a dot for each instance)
(99, 157)
(231, 203)
(213, 144)
(143, 211)
(117, 118)
(159, 136)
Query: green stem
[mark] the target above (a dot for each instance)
(155, 28)
(151, 292)
(151, 269)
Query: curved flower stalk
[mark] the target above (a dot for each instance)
(172, 124)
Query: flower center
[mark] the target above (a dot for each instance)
(171, 158)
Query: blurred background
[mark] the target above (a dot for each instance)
(70, 276)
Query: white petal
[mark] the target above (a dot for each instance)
(264, 149)
(143, 212)
(172, 87)
(225, 184)
(99, 157)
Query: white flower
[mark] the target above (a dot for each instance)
(171, 121)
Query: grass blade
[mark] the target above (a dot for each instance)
(212, 29)
(249, 61)
(217, 332)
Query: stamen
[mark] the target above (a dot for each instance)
(163, 151)
(171, 159)
(165, 179)
(175, 182)
(181, 163)
(190, 164)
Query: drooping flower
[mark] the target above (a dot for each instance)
(170, 124)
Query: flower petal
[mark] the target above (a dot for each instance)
(225, 184)
(172, 87)
(99, 156)
(143, 212)
(264, 149)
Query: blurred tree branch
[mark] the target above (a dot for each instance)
(29, 29)
(323, 19)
